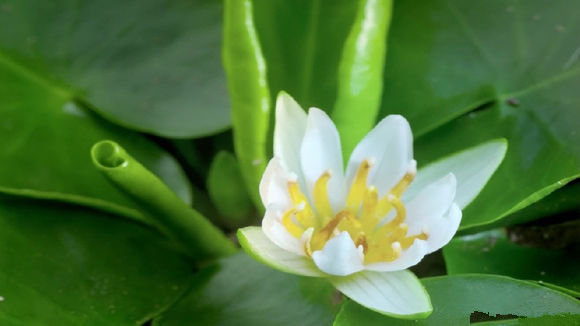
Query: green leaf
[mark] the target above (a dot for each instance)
(302, 42)
(257, 245)
(455, 298)
(360, 73)
(492, 253)
(565, 200)
(227, 190)
(240, 291)
(517, 62)
(191, 230)
(45, 144)
(63, 265)
(249, 90)
(150, 65)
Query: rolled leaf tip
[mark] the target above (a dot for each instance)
(107, 154)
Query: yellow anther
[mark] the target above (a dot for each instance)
(358, 187)
(289, 223)
(321, 201)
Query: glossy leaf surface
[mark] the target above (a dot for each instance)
(447, 58)
(492, 253)
(249, 90)
(241, 291)
(65, 265)
(455, 298)
(302, 42)
(151, 65)
(360, 73)
(45, 142)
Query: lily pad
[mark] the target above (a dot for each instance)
(492, 253)
(65, 265)
(150, 65)
(45, 143)
(241, 291)
(455, 298)
(465, 72)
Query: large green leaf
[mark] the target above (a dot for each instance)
(45, 140)
(302, 42)
(455, 298)
(151, 65)
(564, 201)
(492, 253)
(241, 291)
(520, 58)
(61, 265)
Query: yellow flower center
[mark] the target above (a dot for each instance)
(361, 217)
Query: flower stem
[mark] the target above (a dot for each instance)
(192, 231)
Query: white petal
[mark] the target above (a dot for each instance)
(339, 256)
(273, 186)
(430, 204)
(288, 132)
(277, 233)
(390, 144)
(442, 230)
(256, 244)
(398, 294)
(321, 152)
(472, 168)
(410, 257)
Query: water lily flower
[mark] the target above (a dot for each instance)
(363, 227)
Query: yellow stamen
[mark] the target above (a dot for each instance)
(402, 185)
(322, 235)
(368, 216)
(360, 217)
(381, 254)
(321, 201)
(354, 228)
(305, 215)
(289, 223)
(397, 220)
(358, 187)
(399, 232)
(384, 205)
(408, 241)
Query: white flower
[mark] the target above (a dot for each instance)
(363, 227)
